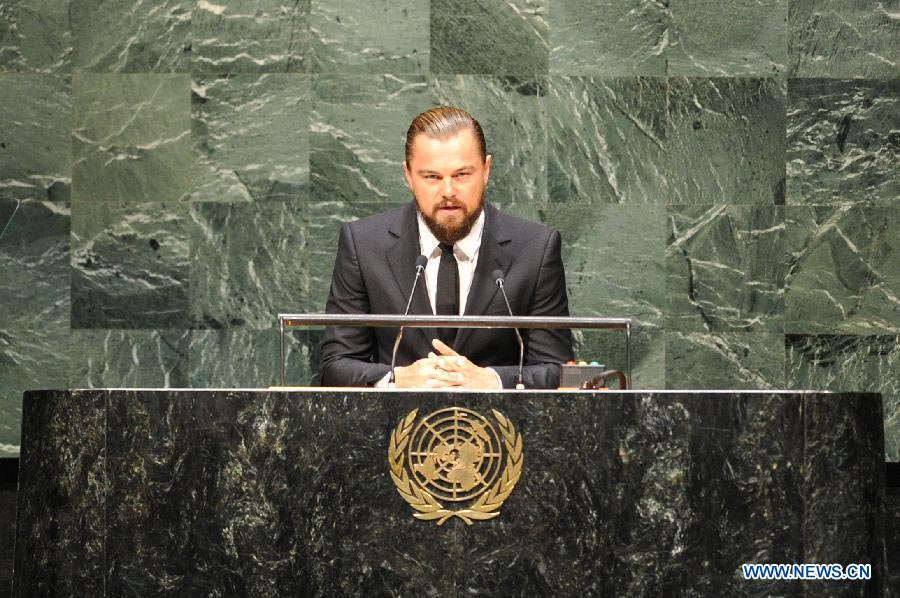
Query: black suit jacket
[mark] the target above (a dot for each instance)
(374, 272)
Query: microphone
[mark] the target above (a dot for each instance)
(498, 280)
(421, 262)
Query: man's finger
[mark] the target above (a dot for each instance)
(439, 366)
(451, 377)
(442, 348)
(441, 381)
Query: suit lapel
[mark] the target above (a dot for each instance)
(402, 259)
(492, 255)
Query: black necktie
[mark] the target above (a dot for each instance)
(447, 299)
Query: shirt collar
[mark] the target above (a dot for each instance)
(464, 249)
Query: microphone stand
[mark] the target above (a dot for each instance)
(420, 267)
(498, 278)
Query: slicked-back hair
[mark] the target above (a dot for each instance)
(444, 122)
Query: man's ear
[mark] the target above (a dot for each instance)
(407, 174)
(487, 168)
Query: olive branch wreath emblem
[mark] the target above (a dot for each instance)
(486, 506)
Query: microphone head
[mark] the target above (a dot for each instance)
(497, 275)
(421, 262)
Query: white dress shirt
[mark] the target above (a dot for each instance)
(465, 251)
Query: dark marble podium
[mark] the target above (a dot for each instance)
(288, 493)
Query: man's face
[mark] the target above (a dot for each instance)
(447, 177)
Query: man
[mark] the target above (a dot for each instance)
(465, 240)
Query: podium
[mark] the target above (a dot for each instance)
(149, 492)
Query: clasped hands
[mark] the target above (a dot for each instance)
(444, 369)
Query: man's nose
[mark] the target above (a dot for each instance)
(448, 187)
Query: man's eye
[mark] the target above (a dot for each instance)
(462, 174)
(431, 177)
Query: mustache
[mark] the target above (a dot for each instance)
(449, 203)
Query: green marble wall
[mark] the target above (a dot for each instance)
(728, 174)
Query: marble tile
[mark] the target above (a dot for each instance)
(849, 422)
(370, 37)
(664, 496)
(746, 462)
(325, 220)
(30, 358)
(609, 275)
(35, 112)
(128, 358)
(724, 269)
(248, 264)
(191, 553)
(34, 295)
(726, 140)
(510, 112)
(251, 137)
(240, 358)
(34, 257)
(842, 140)
(843, 274)
(131, 138)
(250, 36)
(607, 140)
(492, 37)
(709, 38)
(35, 36)
(843, 39)
(850, 363)
(607, 272)
(608, 37)
(357, 132)
(739, 360)
(61, 507)
(129, 266)
(124, 36)
(529, 211)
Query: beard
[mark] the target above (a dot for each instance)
(454, 231)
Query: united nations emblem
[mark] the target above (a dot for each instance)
(455, 455)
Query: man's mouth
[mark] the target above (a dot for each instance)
(452, 209)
